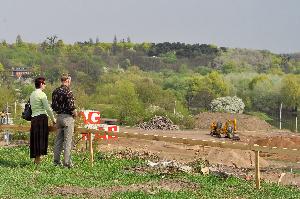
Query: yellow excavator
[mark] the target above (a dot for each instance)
(228, 129)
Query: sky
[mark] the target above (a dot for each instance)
(255, 24)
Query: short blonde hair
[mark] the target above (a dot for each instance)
(64, 77)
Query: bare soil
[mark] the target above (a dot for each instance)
(151, 187)
(251, 131)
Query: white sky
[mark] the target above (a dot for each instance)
(255, 24)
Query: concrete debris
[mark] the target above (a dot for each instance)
(186, 169)
(205, 170)
(152, 164)
(158, 123)
(169, 166)
(280, 178)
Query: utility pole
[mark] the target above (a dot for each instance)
(15, 108)
(295, 113)
(175, 108)
(6, 112)
(280, 109)
(296, 124)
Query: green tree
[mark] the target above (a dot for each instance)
(217, 84)
(1, 67)
(7, 95)
(169, 57)
(4, 43)
(230, 67)
(52, 74)
(147, 91)
(26, 90)
(290, 90)
(202, 90)
(127, 105)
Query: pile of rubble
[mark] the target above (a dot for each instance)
(172, 167)
(158, 123)
(131, 154)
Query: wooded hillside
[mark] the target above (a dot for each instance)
(134, 81)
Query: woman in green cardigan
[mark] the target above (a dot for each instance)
(39, 131)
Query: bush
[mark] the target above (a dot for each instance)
(227, 104)
(184, 121)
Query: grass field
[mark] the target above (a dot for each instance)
(111, 178)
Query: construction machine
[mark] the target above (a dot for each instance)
(228, 129)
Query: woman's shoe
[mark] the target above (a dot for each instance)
(37, 160)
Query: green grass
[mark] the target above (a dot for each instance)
(20, 178)
(260, 115)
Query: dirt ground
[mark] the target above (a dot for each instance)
(251, 131)
(273, 165)
(244, 122)
(149, 187)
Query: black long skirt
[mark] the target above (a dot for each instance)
(39, 134)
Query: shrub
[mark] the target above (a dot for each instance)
(227, 104)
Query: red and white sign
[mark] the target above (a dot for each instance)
(92, 120)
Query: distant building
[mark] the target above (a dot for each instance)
(20, 72)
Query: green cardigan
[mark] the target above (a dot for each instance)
(39, 104)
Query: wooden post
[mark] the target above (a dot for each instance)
(257, 170)
(15, 109)
(91, 149)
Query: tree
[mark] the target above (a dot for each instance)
(91, 42)
(217, 84)
(52, 40)
(1, 67)
(4, 43)
(290, 90)
(7, 95)
(52, 73)
(19, 41)
(127, 105)
(230, 67)
(201, 90)
(264, 92)
(50, 44)
(114, 45)
(128, 40)
(147, 91)
(26, 90)
(169, 57)
(97, 40)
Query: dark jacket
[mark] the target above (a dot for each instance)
(63, 101)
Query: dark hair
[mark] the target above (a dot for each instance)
(38, 81)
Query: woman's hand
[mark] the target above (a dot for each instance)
(74, 113)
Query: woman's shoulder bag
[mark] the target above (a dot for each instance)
(26, 114)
